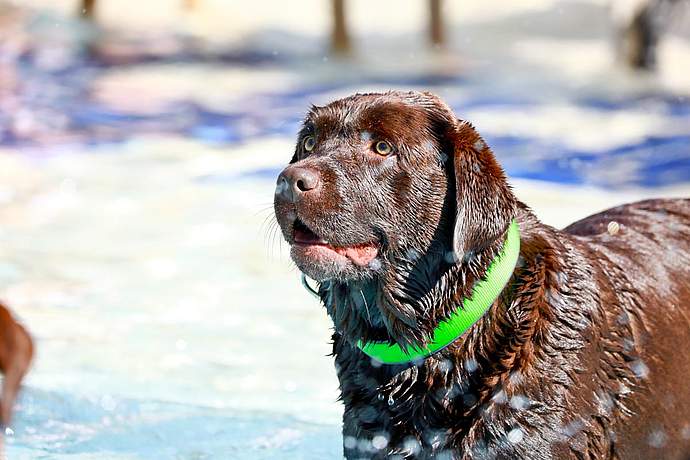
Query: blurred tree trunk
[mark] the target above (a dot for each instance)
(638, 40)
(87, 9)
(437, 32)
(640, 26)
(340, 38)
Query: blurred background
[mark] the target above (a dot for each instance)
(139, 145)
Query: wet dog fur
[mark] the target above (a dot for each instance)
(584, 355)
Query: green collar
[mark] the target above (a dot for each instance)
(483, 295)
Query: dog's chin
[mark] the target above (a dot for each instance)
(324, 262)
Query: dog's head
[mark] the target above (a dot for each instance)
(384, 193)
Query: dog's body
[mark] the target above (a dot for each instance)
(16, 352)
(583, 354)
(584, 359)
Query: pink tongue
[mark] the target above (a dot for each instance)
(360, 255)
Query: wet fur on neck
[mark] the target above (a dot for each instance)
(402, 305)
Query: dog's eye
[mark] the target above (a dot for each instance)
(383, 148)
(309, 143)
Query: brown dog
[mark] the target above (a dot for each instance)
(16, 351)
(397, 209)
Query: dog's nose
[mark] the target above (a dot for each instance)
(293, 183)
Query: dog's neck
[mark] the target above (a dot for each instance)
(405, 306)
(407, 302)
(482, 368)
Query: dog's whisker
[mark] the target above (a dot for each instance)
(264, 208)
(276, 236)
(366, 305)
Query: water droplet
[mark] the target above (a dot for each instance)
(515, 435)
(412, 255)
(350, 442)
(500, 397)
(375, 264)
(434, 437)
(471, 365)
(445, 365)
(613, 227)
(364, 445)
(479, 145)
(380, 441)
(516, 377)
(391, 401)
(657, 438)
(381, 397)
(519, 402)
(639, 368)
(572, 428)
(411, 445)
(9, 432)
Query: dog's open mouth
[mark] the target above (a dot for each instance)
(319, 248)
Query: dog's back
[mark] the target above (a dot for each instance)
(643, 255)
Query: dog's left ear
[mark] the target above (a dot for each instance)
(485, 204)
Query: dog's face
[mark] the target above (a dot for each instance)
(366, 171)
(379, 182)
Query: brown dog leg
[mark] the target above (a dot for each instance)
(16, 351)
